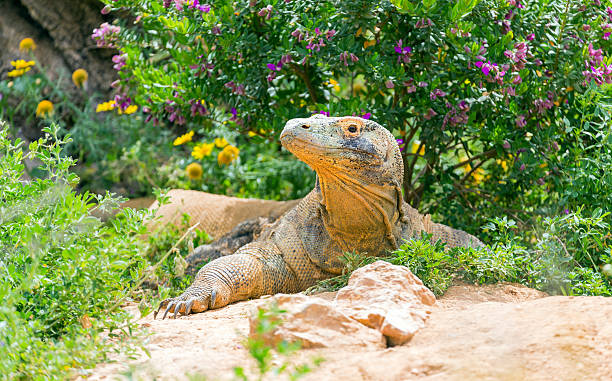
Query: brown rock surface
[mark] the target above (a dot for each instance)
(317, 323)
(494, 332)
(388, 298)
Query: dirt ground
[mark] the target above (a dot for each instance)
(495, 332)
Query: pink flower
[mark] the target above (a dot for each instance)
(520, 121)
(389, 84)
(436, 93)
(298, 34)
(106, 35)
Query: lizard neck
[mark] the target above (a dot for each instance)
(358, 215)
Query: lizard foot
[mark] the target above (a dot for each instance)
(192, 300)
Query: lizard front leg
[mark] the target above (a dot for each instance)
(254, 270)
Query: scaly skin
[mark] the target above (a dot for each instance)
(356, 205)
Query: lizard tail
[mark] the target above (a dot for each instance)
(452, 237)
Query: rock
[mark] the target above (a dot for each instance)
(388, 298)
(316, 323)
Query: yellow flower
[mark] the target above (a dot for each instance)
(22, 64)
(44, 108)
(221, 142)
(503, 164)
(105, 106)
(368, 43)
(229, 154)
(194, 171)
(129, 110)
(478, 175)
(415, 147)
(202, 150)
(79, 77)
(18, 72)
(27, 45)
(334, 83)
(183, 139)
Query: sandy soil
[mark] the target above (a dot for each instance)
(496, 332)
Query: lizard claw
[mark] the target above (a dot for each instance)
(189, 302)
(170, 305)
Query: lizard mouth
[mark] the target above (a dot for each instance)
(305, 148)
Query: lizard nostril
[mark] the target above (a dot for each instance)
(305, 126)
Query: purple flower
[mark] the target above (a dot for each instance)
(216, 30)
(541, 181)
(330, 33)
(566, 211)
(403, 52)
(505, 27)
(586, 27)
(267, 12)
(530, 37)
(389, 84)
(436, 93)
(506, 144)
(326, 113)
(520, 121)
(423, 23)
(410, 87)
(273, 67)
(122, 101)
(485, 67)
(197, 108)
(522, 167)
(195, 4)
(596, 55)
(430, 114)
(119, 61)
(422, 84)
(345, 56)
(542, 105)
(517, 80)
(367, 115)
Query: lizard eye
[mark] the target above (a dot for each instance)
(351, 127)
(305, 126)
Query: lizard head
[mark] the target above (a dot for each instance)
(357, 147)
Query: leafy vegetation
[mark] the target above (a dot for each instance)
(63, 273)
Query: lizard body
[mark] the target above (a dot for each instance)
(356, 205)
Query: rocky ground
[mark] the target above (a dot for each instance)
(493, 332)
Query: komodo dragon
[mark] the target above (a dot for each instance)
(356, 205)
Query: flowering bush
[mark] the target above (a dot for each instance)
(486, 97)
